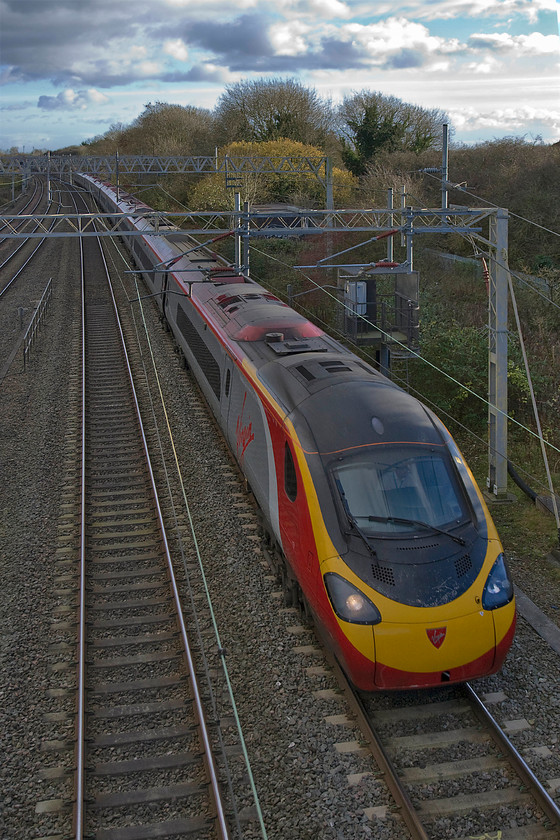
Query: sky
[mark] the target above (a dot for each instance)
(70, 69)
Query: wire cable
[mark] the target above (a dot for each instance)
(199, 557)
(491, 204)
(412, 352)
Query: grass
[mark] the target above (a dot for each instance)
(525, 529)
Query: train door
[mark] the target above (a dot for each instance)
(161, 282)
(248, 435)
(225, 401)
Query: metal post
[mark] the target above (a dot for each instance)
(390, 245)
(49, 177)
(246, 266)
(329, 184)
(385, 361)
(237, 208)
(117, 173)
(445, 168)
(403, 206)
(409, 239)
(330, 205)
(498, 354)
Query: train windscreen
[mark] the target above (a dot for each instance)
(389, 490)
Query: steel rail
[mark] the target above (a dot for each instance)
(544, 800)
(37, 186)
(80, 722)
(402, 800)
(26, 263)
(210, 763)
(196, 691)
(398, 791)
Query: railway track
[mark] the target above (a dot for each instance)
(450, 768)
(15, 257)
(433, 791)
(145, 766)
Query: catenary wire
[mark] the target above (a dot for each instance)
(199, 559)
(413, 352)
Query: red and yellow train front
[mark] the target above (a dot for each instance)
(401, 647)
(413, 589)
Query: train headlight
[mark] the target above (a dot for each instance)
(348, 602)
(498, 590)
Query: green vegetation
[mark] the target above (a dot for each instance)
(211, 191)
(372, 123)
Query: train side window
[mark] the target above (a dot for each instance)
(290, 477)
(228, 382)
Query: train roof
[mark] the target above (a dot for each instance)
(316, 379)
(249, 314)
(347, 403)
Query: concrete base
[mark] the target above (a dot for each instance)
(505, 498)
(554, 556)
(545, 503)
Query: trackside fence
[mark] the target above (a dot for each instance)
(32, 331)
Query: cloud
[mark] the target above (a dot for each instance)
(534, 44)
(289, 37)
(450, 9)
(252, 43)
(212, 6)
(327, 9)
(176, 48)
(71, 100)
(514, 119)
(483, 67)
(197, 73)
(16, 106)
(403, 59)
(71, 44)
(245, 36)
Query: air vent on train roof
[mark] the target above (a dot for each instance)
(321, 368)
(226, 300)
(288, 347)
(224, 274)
(334, 366)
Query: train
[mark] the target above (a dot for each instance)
(366, 499)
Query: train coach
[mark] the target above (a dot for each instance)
(373, 510)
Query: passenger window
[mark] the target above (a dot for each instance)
(290, 477)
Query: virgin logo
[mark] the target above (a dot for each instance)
(243, 433)
(437, 636)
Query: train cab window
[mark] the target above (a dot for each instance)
(290, 476)
(389, 489)
(228, 382)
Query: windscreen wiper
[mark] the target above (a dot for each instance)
(360, 533)
(351, 519)
(457, 539)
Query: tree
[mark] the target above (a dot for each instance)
(270, 109)
(211, 192)
(108, 143)
(165, 129)
(161, 129)
(370, 123)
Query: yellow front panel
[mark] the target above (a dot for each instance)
(503, 619)
(408, 646)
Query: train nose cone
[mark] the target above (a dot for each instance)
(415, 654)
